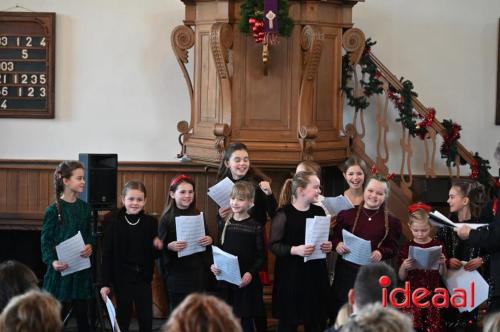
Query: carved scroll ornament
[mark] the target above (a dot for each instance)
(307, 141)
(353, 41)
(222, 131)
(221, 40)
(182, 39)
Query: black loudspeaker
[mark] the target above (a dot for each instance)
(101, 172)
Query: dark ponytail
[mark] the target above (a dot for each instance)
(63, 171)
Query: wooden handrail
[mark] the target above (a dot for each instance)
(418, 106)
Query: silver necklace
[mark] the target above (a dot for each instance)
(132, 223)
(368, 216)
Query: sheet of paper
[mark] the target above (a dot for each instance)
(440, 220)
(69, 252)
(360, 249)
(111, 314)
(220, 192)
(462, 279)
(426, 258)
(190, 229)
(228, 264)
(336, 204)
(317, 230)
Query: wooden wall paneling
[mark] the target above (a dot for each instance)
(3, 189)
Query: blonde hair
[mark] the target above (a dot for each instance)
(386, 212)
(492, 323)
(299, 180)
(377, 318)
(243, 190)
(310, 166)
(419, 215)
(202, 313)
(343, 316)
(32, 311)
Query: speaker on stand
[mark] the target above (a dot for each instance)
(100, 192)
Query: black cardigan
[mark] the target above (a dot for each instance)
(113, 253)
(489, 238)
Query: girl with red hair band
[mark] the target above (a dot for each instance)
(188, 274)
(424, 319)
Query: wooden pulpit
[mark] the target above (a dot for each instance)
(285, 110)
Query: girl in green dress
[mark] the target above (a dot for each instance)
(63, 219)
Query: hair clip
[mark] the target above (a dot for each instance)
(179, 178)
(419, 206)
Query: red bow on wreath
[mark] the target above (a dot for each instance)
(427, 121)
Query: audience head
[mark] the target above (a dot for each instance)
(467, 194)
(32, 311)
(492, 323)
(18, 276)
(5, 294)
(376, 318)
(354, 171)
(202, 313)
(303, 185)
(367, 288)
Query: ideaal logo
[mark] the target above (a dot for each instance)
(423, 298)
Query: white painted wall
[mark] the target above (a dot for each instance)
(119, 88)
(448, 49)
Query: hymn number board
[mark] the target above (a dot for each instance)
(27, 44)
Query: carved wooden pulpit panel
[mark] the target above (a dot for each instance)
(287, 109)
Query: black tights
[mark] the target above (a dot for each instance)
(80, 312)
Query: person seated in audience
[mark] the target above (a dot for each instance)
(202, 313)
(33, 311)
(19, 279)
(367, 289)
(377, 318)
(492, 323)
(5, 294)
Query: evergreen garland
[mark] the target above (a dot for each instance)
(479, 171)
(403, 102)
(255, 9)
(449, 148)
(368, 68)
(405, 107)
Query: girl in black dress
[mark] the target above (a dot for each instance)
(235, 164)
(300, 289)
(188, 274)
(130, 244)
(466, 199)
(242, 237)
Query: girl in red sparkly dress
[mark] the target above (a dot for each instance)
(424, 319)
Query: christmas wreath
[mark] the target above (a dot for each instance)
(252, 18)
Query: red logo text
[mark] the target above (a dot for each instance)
(423, 298)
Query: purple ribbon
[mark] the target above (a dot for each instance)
(271, 16)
